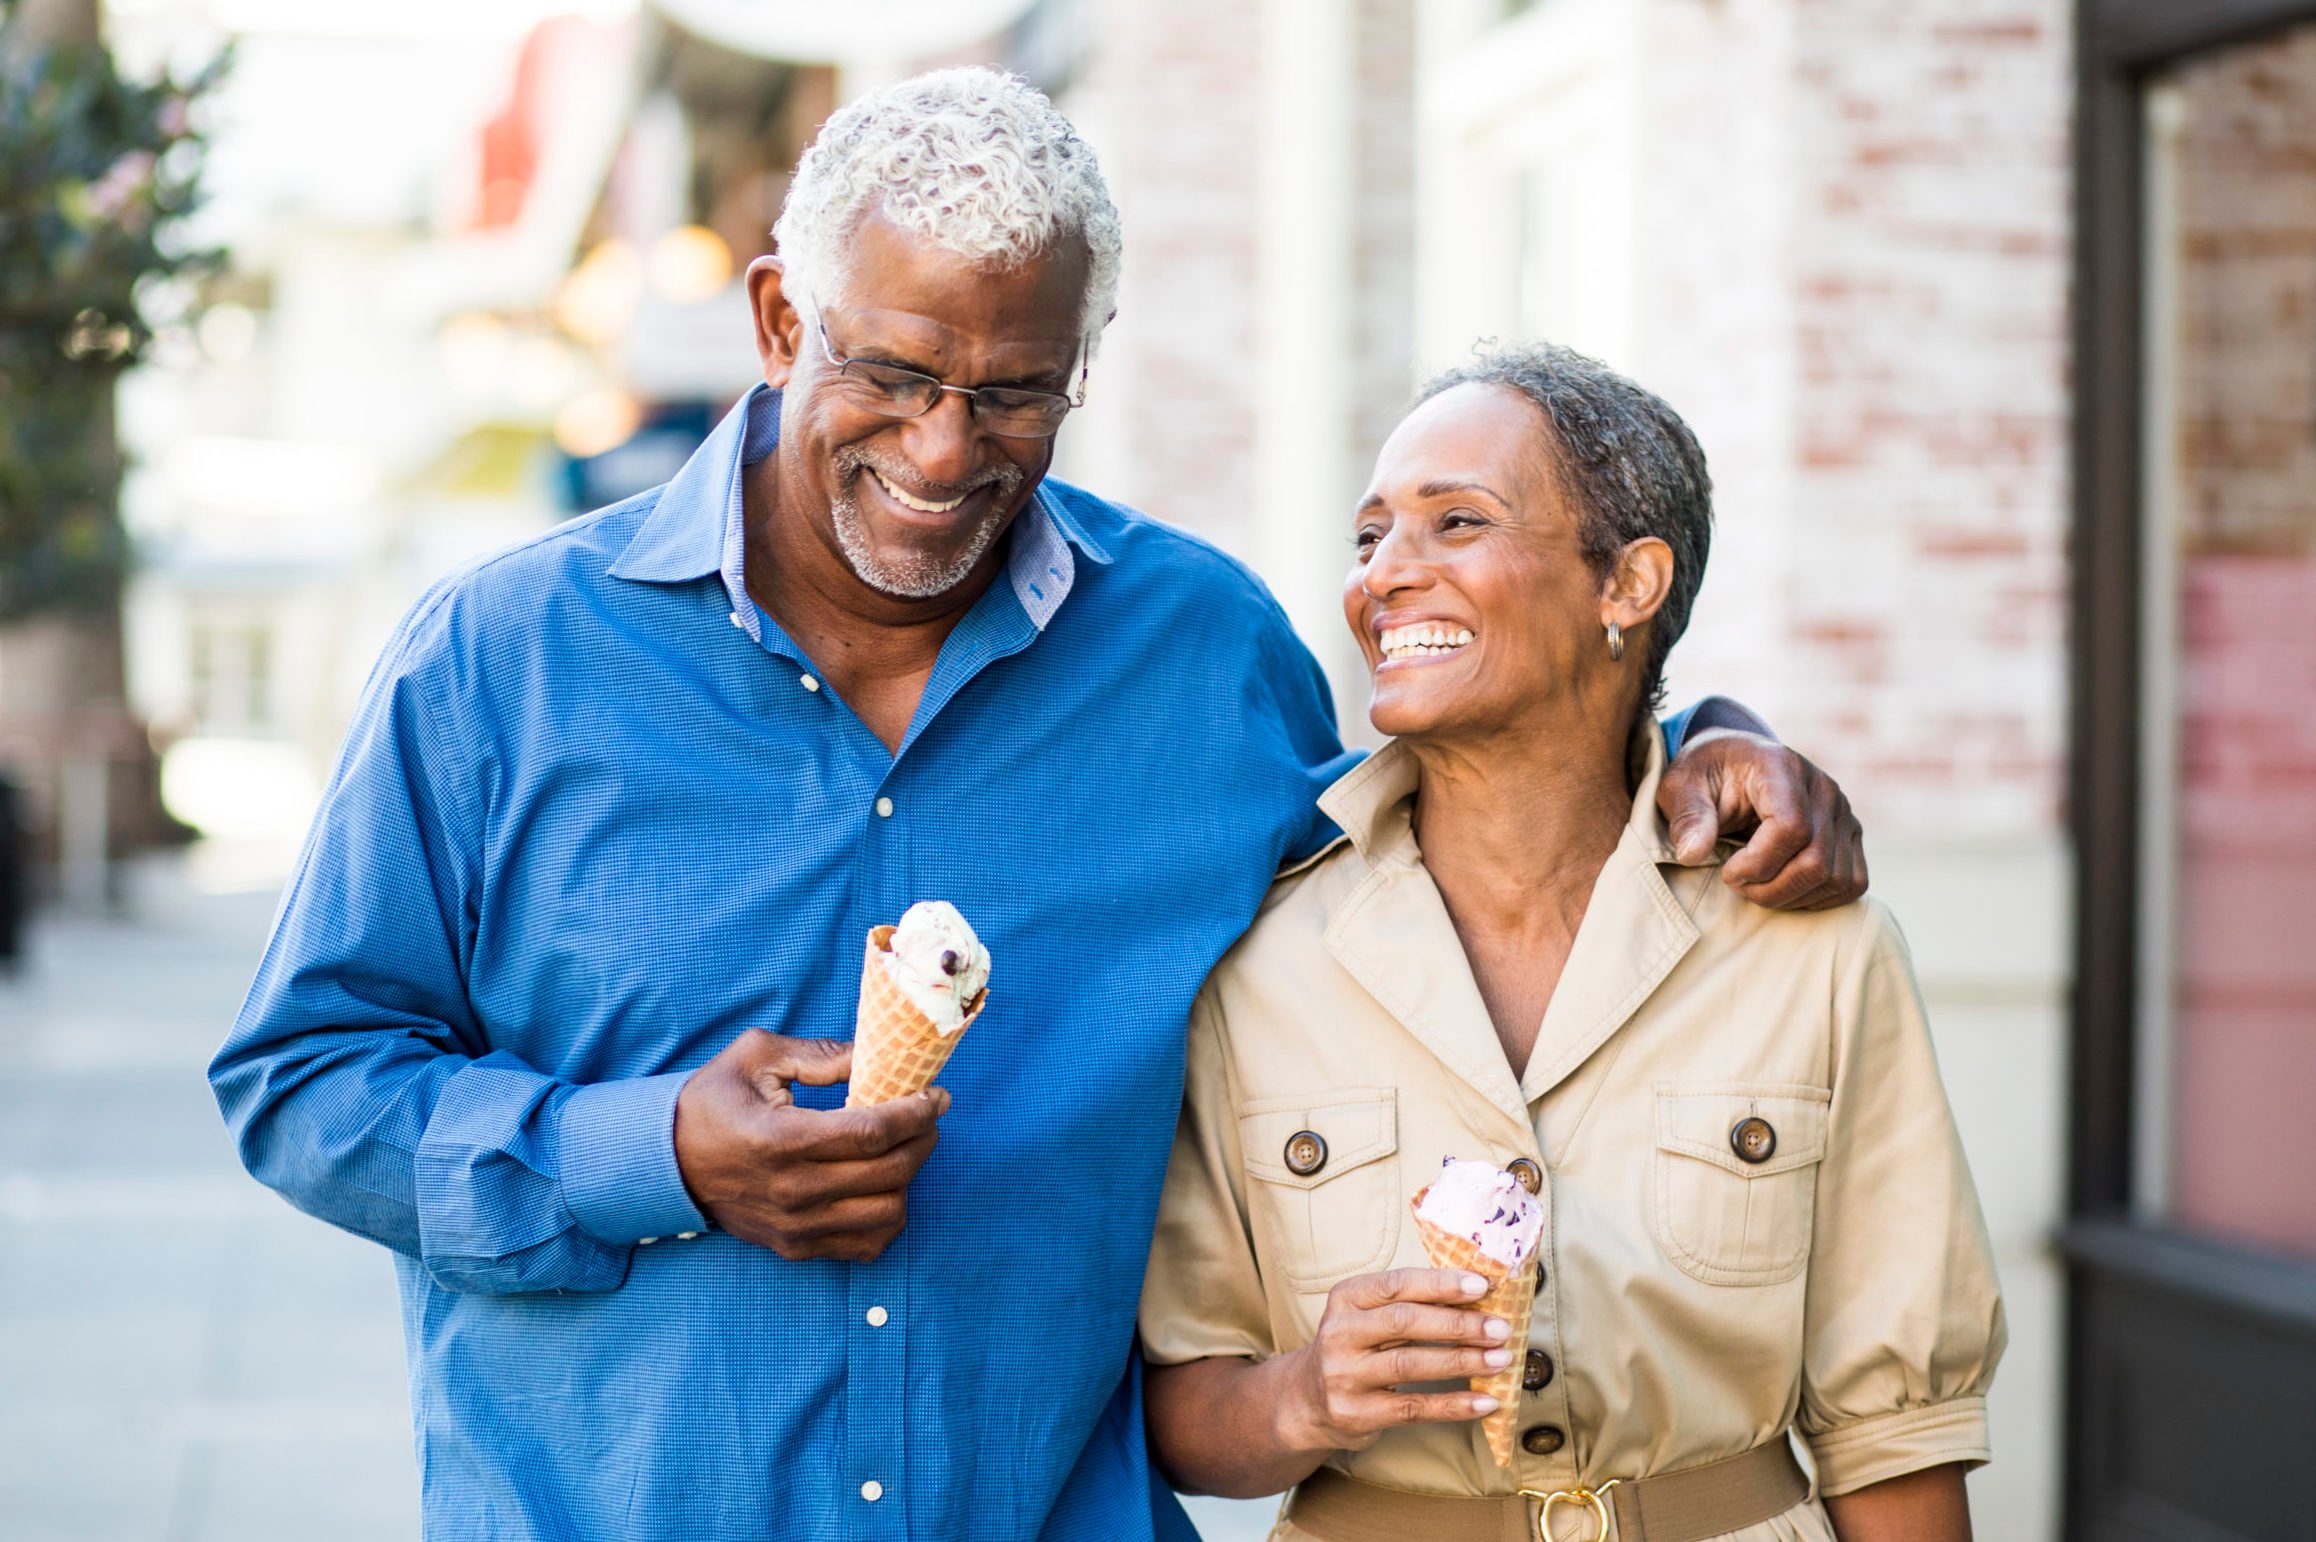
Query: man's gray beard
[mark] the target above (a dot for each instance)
(912, 577)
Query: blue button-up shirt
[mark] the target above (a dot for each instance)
(595, 816)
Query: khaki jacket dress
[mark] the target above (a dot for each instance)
(1704, 1290)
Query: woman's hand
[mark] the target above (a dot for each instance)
(1244, 1428)
(1379, 1332)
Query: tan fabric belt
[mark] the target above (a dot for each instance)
(1687, 1506)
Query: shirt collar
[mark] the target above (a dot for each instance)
(698, 527)
(1373, 803)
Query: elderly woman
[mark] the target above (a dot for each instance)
(1758, 1222)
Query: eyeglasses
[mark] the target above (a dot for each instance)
(906, 393)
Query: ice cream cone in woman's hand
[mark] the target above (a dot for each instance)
(1476, 1216)
(921, 985)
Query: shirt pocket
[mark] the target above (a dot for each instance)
(1738, 1219)
(1340, 1216)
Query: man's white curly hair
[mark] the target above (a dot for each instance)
(975, 160)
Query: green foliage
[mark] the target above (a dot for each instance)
(97, 175)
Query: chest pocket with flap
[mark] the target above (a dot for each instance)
(1325, 1190)
(1736, 1178)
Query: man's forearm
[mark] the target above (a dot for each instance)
(1726, 712)
(497, 1178)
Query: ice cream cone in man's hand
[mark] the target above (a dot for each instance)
(921, 985)
(1476, 1216)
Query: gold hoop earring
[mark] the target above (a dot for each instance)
(1615, 642)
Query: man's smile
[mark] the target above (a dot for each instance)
(909, 500)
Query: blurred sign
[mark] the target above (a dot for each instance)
(655, 452)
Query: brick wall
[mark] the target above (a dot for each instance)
(1888, 407)
(1172, 98)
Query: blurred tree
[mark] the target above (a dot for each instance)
(96, 175)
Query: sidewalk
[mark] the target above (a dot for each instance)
(183, 1357)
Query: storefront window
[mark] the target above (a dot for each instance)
(2228, 1098)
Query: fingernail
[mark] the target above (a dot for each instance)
(1474, 1285)
(1498, 1328)
(1485, 1405)
(1499, 1358)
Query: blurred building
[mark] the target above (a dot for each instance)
(371, 399)
(1996, 317)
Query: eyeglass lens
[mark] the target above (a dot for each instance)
(905, 393)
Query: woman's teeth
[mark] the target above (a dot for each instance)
(1422, 640)
(919, 504)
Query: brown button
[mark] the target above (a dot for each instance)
(1542, 1440)
(1530, 1175)
(1541, 1274)
(1754, 1140)
(1538, 1374)
(1306, 1153)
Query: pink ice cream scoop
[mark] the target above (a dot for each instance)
(1486, 1205)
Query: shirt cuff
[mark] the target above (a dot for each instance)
(1715, 712)
(1894, 1444)
(620, 1178)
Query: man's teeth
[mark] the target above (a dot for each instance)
(919, 504)
(1423, 639)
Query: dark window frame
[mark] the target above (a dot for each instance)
(2119, 44)
(2128, 1278)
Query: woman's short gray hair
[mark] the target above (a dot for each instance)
(1627, 462)
(975, 160)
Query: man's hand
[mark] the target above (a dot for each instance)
(1806, 850)
(804, 1182)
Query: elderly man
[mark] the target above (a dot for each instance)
(560, 993)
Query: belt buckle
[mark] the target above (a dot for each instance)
(1579, 1498)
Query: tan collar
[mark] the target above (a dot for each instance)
(1394, 935)
(1374, 802)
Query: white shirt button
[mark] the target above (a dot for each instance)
(878, 1316)
(686, 1236)
(736, 621)
(644, 1242)
(808, 682)
(872, 1491)
(884, 808)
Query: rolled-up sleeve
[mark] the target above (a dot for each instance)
(358, 1082)
(1904, 1323)
(1203, 1297)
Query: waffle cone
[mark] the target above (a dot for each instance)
(896, 1050)
(1511, 1296)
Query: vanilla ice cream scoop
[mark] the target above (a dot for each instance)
(1485, 1205)
(937, 962)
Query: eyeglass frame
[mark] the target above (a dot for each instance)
(972, 394)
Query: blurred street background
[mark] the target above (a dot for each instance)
(181, 1355)
(1997, 319)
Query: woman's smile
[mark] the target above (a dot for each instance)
(1421, 642)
